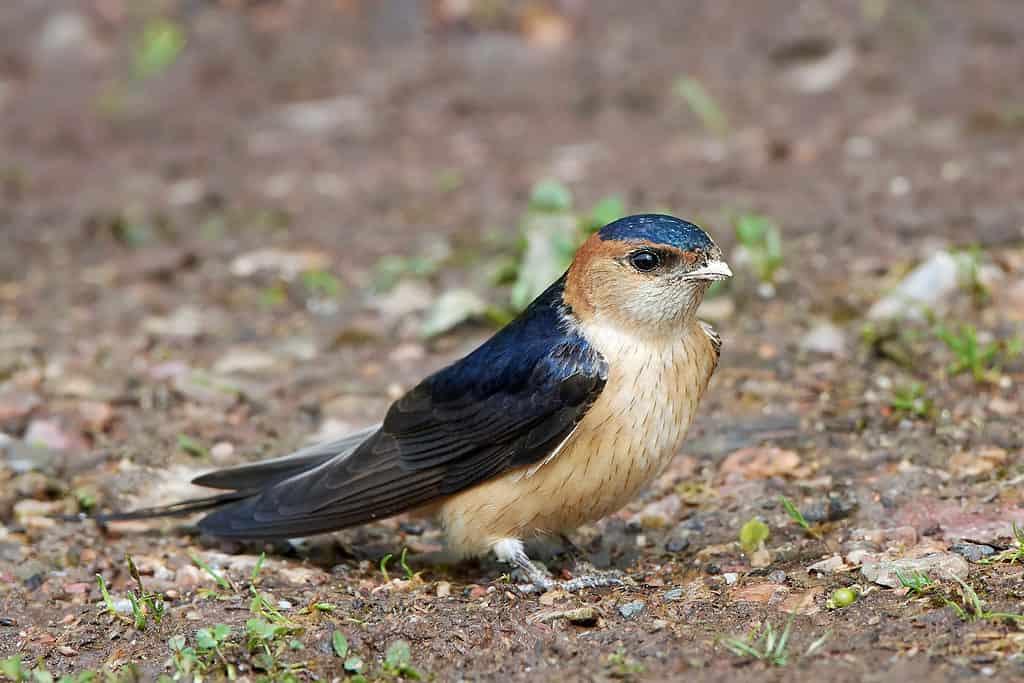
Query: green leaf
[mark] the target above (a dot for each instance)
(753, 535)
(551, 240)
(340, 644)
(353, 664)
(42, 676)
(191, 446)
(399, 655)
(161, 43)
(11, 668)
(221, 632)
(450, 310)
(205, 639)
(607, 210)
(260, 630)
(176, 643)
(703, 105)
(321, 283)
(550, 196)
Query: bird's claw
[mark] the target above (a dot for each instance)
(543, 583)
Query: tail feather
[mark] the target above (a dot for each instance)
(245, 481)
(179, 509)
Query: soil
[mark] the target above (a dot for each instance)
(137, 348)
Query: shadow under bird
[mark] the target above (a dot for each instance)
(558, 420)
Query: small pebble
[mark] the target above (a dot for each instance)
(677, 544)
(777, 576)
(674, 594)
(584, 616)
(444, 589)
(730, 578)
(632, 609)
(222, 450)
(973, 552)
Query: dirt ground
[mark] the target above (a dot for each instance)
(191, 247)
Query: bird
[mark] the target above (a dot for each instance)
(559, 419)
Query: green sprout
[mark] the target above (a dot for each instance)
(219, 579)
(910, 398)
(1014, 553)
(970, 354)
(160, 44)
(761, 239)
(771, 647)
(797, 516)
(916, 583)
(702, 104)
(973, 608)
(753, 535)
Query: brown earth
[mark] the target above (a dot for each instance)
(138, 349)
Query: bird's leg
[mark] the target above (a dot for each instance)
(511, 550)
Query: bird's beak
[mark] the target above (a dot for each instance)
(715, 270)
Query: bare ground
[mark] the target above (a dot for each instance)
(138, 350)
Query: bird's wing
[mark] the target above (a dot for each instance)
(506, 405)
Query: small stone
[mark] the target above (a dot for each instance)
(222, 450)
(184, 323)
(826, 339)
(66, 37)
(926, 287)
(16, 404)
(717, 308)
(730, 578)
(48, 434)
(582, 616)
(973, 552)
(827, 566)
(657, 515)
(97, 415)
(123, 606)
(758, 592)
(976, 463)
(777, 576)
(408, 353)
(937, 565)
(831, 511)
(632, 609)
(674, 594)
(21, 458)
(761, 462)
(345, 113)
(760, 558)
(243, 360)
(444, 589)
(407, 297)
(677, 544)
(285, 264)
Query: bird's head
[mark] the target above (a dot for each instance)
(645, 273)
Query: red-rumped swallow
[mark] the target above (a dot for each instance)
(558, 420)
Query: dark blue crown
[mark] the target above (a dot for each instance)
(658, 229)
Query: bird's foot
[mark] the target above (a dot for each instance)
(541, 581)
(538, 580)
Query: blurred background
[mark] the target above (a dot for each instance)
(228, 225)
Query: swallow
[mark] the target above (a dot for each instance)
(557, 420)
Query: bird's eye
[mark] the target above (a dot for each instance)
(645, 260)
